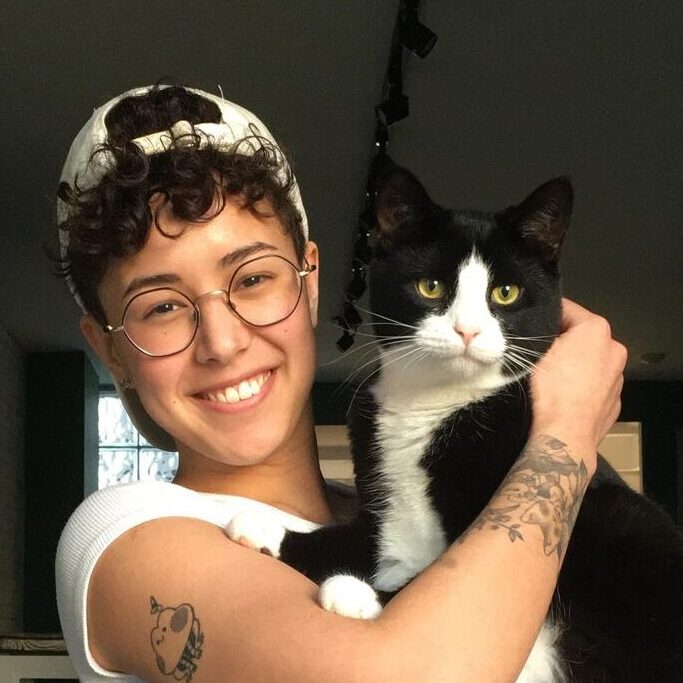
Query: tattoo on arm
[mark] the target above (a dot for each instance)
(177, 640)
(544, 488)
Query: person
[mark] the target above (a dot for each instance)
(185, 242)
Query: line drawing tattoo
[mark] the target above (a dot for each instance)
(544, 488)
(177, 640)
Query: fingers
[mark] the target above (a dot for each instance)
(580, 378)
(622, 353)
(573, 313)
(614, 407)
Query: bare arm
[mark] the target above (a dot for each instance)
(472, 615)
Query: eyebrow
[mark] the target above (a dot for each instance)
(242, 253)
(229, 259)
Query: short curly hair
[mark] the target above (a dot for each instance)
(113, 219)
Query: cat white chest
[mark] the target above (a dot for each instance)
(410, 409)
(411, 535)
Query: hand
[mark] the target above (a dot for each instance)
(576, 389)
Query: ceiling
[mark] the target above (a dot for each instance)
(512, 94)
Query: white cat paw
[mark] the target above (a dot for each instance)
(349, 597)
(257, 532)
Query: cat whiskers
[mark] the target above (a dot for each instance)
(540, 337)
(512, 361)
(359, 368)
(399, 353)
(368, 346)
(360, 365)
(519, 361)
(525, 357)
(384, 317)
(523, 350)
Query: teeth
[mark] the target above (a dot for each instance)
(244, 390)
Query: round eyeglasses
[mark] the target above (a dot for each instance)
(164, 321)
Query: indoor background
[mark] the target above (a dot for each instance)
(512, 94)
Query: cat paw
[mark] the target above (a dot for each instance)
(257, 532)
(349, 597)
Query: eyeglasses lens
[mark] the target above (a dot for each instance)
(265, 291)
(262, 292)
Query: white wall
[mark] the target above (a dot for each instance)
(12, 411)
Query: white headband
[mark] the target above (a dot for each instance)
(238, 126)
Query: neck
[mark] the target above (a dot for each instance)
(289, 479)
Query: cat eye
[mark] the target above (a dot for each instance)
(504, 295)
(430, 288)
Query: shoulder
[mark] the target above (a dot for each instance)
(129, 545)
(93, 527)
(107, 513)
(174, 594)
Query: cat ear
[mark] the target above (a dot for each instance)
(399, 198)
(543, 217)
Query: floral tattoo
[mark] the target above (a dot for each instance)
(544, 488)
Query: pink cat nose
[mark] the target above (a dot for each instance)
(467, 333)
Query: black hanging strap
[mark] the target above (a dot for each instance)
(409, 34)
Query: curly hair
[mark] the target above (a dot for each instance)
(113, 219)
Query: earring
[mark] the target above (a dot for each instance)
(126, 383)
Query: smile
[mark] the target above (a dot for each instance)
(240, 392)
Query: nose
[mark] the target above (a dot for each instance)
(466, 332)
(221, 335)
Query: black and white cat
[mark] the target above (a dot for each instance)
(464, 304)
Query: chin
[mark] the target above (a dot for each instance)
(243, 450)
(478, 370)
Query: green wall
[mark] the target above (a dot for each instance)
(658, 406)
(61, 428)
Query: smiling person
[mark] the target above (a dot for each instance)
(185, 242)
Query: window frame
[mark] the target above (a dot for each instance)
(139, 446)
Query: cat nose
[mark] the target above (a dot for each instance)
(467, 333)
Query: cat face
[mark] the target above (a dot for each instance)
(468, 296)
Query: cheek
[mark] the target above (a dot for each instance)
(295, 337)
(155, 376)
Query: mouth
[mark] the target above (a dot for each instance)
(237, 393)
(481, 356)
(476, 357)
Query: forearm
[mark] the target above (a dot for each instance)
(471, 616)
(479, 607)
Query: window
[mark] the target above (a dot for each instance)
(124, 454)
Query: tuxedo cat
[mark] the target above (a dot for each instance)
(464, 304)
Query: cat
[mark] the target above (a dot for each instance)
(464, 304)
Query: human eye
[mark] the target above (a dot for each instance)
(162, 309)
(254, 280)
(157, 306)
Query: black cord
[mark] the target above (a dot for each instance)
(410, 34)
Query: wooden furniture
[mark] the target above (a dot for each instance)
(621, 447)
(34, 656)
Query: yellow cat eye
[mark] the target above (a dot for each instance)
(505, 294)
(430, 288)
